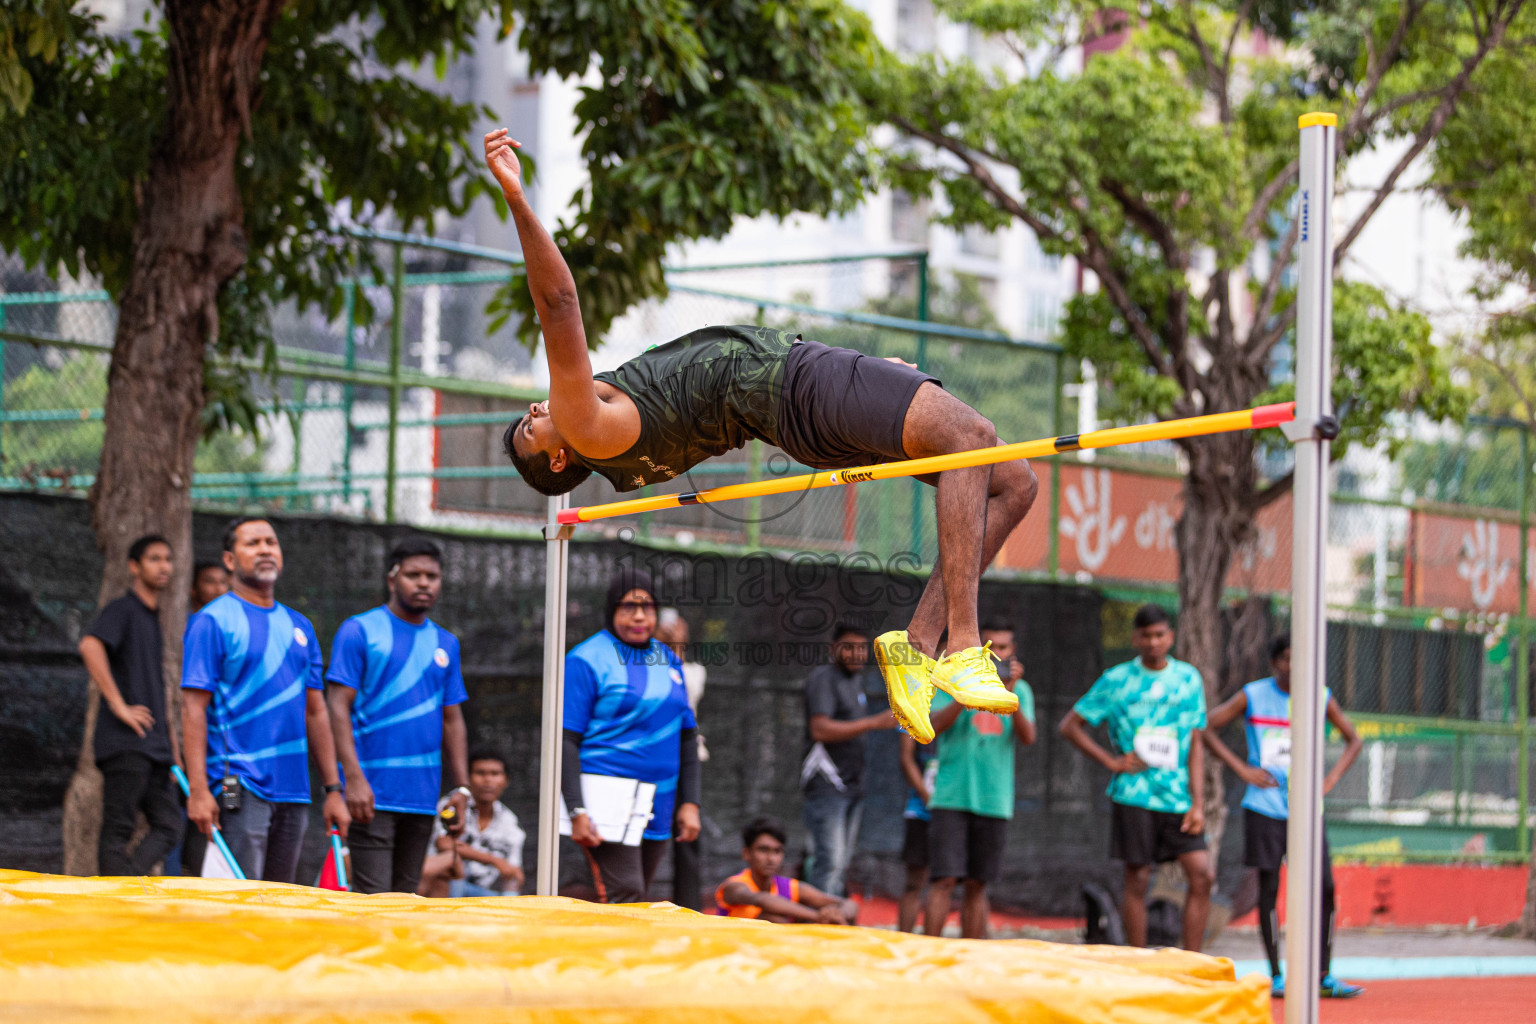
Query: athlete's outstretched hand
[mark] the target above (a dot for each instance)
(502, 161)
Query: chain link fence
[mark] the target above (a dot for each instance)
(399, 418)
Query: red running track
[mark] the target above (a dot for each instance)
(1434, 1001)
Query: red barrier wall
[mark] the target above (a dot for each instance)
(1420, 895)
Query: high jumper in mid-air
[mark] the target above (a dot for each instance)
(708, 392)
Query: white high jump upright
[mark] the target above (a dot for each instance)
(556, 569)
(1310, 434)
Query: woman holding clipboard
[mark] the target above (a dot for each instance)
(627, 720)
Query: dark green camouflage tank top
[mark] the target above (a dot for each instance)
(699, 396)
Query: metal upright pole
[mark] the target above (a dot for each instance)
(1310, 433)
(396, 349)
(556, 566)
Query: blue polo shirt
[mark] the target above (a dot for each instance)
(404, 675)
(631, 707)
(258, 663)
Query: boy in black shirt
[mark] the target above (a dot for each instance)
(122, 653)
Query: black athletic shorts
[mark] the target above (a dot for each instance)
(1139, 836)
(841, 408)
(965, 845)
(1264, 841)
(914, 848)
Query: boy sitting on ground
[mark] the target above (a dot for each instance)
(761, 892)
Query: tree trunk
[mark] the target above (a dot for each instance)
(189, 240)
(1217, 518)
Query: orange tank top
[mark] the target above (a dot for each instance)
(788, 888)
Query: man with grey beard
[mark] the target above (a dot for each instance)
(253, 712)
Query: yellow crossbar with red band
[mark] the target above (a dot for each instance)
(1168, 430)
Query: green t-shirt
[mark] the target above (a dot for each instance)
(976, 759)
(1153, 714)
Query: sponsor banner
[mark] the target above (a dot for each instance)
(1118, 525)
(1454, 562)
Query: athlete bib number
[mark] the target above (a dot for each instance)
(930, 774)
(1157, 746)
(1275, 749)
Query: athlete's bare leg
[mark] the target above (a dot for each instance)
(977, 509)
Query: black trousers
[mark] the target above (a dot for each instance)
(387, 852)
(686, 880)
(622, 874)
(132, 783)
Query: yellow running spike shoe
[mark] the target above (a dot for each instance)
(908, 685)
(970, 676)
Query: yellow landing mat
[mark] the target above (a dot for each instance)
(168, 950)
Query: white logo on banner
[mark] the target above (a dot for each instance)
(1479, 563)
(1092, 523)
(1154, 528)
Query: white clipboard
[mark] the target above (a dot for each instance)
(620, 809)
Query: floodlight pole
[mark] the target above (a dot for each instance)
(556, 567)
(1310, 434)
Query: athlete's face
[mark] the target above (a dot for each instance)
(1281, 665)
(765, 856)
(635, 620)
(212, 582)
(487, 781)
(416, 583)
(1153, 642)
(257, 558)
(851, 652)
(153, 569)
(537, 433)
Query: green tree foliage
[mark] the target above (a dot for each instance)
(36, 29)
(699, 113)
(1480, 470)
(1167, 169)
(341, 123)
(1483, 170)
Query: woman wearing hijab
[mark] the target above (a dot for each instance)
(627, 716)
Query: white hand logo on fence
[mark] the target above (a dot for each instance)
(1479, 563)
(1154, 527)
(1092, 524)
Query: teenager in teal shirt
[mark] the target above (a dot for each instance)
(1154, 708)
(972, 799)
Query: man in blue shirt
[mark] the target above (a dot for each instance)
(254, 706)
(1265, 706)
(396, 711)
(1155, 709)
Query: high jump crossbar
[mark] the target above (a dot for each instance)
(1309, 425)
(1167, 430)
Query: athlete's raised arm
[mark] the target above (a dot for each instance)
(571, 389)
